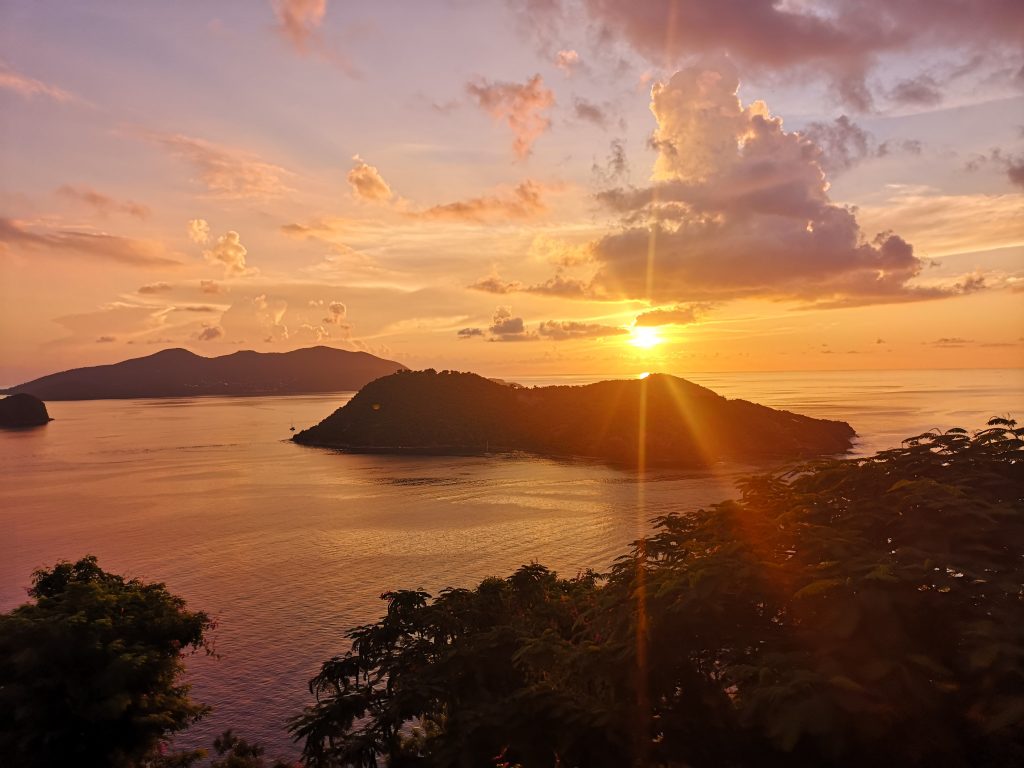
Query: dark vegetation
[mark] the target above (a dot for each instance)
(89, 669)
(23, 411)
(683, 423)
(180, 373)
(847, 613)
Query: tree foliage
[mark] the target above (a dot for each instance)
(89, 669)
(848, 612)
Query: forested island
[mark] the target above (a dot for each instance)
(180, 373)
(681, 423)
(853, 612)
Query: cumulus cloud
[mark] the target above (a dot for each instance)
(100, 203)
(211, 287)
(16, 236)
(199, 231)
(568, 61)
(367, 183)
(740, 207)
(525, 201)
(469, 333)
(681, 314)
(298, 20)
(506, 327)
(226, 173)
(520, 105)
(152, 288)
(28, 87)
(336, 314)
(229, 252)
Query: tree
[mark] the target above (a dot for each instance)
(845, 613)
(89, 670)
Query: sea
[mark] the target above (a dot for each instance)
(287, 547)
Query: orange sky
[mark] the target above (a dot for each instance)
(515, 188)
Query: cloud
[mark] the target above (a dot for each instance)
(105, 339)
(740, 207)
(681, 314)
(568, 61)
(921, 91)
(841, 40)
(507, 327)
(564, 330)
(521, 106)
(226, 173)
(211, 287)
(616, 166)
(336, 314)
(559, 285)
(14, 235)
(199, 231)
(298, 20)
(153, 288)
(229, 252)
(954, 341)
(1015, 171)
(590, 112)
(494, 284)
(367, 183)
(842, 143)
(210, 333)
(101, 203)
(504, 325)
(28, 87)
(525, 201)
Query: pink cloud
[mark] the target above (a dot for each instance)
(521, 106)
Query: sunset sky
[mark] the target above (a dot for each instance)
(520, 187)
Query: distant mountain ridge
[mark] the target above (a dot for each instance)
(665, 419)
(180, 373)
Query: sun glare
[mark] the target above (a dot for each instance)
(645, 337)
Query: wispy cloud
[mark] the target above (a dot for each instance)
(16, 236)
(225, 172)
(101, 203)
(525, 201)
(29, 87)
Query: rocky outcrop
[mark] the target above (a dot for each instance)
(23, 411)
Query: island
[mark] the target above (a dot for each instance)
(18, 411)
(181, 373)
(661, 420)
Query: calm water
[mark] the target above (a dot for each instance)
(287, 547)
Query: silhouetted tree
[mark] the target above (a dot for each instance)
(89, 670)
(846, 613)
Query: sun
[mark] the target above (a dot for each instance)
(645, 337)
